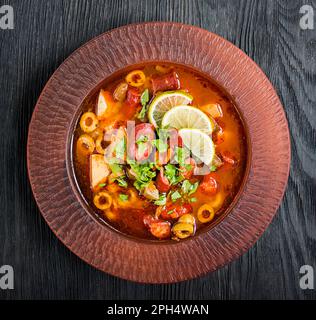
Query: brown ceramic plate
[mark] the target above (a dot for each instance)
(51, 171)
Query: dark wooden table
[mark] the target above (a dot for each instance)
(45, 33)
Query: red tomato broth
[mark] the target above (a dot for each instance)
(130, 220)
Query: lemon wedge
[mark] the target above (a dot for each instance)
(164, 102)
(187, 117)
(199, 143)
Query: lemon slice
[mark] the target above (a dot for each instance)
(187, 117)
(164, 102)
(199, 143)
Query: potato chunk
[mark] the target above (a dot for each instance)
(105, 104)
(99, 170)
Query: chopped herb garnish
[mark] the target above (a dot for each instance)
(120, 149)
(144, 174)
(144, 97)
(143, 100)
(170, 211)
(160, 145)
(213, 168)
(171, 172)
(186, 185)
(181, 154)
(194, 188)
(189, 188)
(140, 185)
(175, 196)
(123, 197)
(193, 199)
(101, 185)
(121, 182)
(141, 139)
(116, 168)
(161, 201)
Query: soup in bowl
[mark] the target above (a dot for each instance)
(160, 152)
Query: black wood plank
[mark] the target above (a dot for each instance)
(45, 33)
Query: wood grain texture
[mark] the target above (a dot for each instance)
(45, 34)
